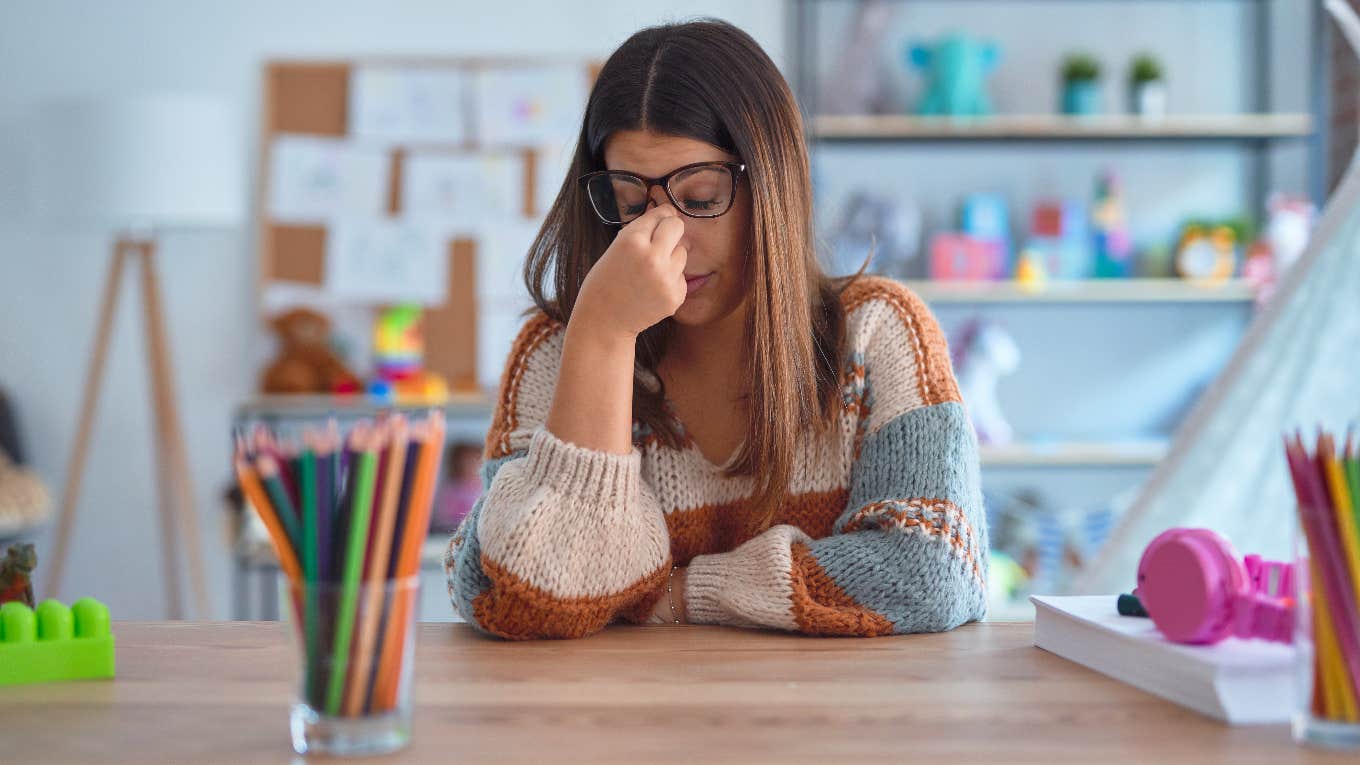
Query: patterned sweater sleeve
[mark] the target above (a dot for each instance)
(909, 551)
(564, 539)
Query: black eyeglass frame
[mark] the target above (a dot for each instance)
(736, 169)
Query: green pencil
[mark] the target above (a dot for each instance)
(268, 468)
(308, 492)
(365, 471)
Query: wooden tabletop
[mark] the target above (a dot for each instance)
(219, 692)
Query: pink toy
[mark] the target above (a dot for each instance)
(1197, 591)
(960, 257)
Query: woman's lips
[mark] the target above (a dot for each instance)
(693, 283)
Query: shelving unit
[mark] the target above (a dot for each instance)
(1086, 291)
(1074, 454)
(1248, 129)
(1059, 127)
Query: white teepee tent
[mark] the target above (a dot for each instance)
(1297, 367)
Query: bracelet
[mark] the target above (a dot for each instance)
(670, 578)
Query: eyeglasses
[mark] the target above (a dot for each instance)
(700, 190)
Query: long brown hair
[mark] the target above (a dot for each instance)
(710, 81)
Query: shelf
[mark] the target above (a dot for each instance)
(1074, 454)
(1086, 291)
(358, 405)
(1058, 127)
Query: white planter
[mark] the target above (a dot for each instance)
(1148, 99)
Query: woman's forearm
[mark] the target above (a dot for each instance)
(592, 405)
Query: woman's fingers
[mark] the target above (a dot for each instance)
(667, 235)
(645, 224)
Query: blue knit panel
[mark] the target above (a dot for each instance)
(464, 574)
(915, 579)
(929, 452)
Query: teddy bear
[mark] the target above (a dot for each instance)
(306, 363)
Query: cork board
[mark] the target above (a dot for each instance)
(312, 98)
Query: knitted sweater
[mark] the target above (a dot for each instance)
(883, 530)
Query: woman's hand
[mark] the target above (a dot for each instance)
(640, 279)
(661, 612)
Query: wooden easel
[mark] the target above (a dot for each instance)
(174, 487)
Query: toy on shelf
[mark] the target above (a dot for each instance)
(888, 227)
(955, 68)
(960, 257)
(306, 363)
(1113, 250)
(856, 85)
(54, 642)
(1207, 250)
(984, 354)
(1288, 227)
(1029, 269)
(1060, 234)
(399, 353)
(984, 217)
(16, 574)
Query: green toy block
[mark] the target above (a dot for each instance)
(55, 642)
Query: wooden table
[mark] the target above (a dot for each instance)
(200, 693)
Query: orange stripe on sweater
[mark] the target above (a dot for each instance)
(721, 527)
(917, 514)
(506, 418)
(821, 607)
(516, 610)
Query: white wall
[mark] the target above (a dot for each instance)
(50, 280)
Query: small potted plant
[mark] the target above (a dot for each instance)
(1147, 89)
(1081, 84)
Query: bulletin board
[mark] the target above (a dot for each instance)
(315, 101)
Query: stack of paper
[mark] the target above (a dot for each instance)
(1242, 682)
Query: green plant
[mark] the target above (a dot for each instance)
(1145, 67)
(1080, 67)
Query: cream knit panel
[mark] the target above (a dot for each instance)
(891, 348)
(750, 586)
(572, 521)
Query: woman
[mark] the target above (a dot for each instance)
(698, 425)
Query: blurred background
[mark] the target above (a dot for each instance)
(217, 215)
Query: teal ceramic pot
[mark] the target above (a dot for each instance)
(1081, 97)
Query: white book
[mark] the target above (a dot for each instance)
(1241, 682)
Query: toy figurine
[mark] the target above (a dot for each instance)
(16, 572)
(888, 227)
(1060, 234)
(1111, 236)
(398, 353)
(985, 353)
(1206, 252)
(955, 67)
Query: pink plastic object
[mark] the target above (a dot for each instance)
(1197, 591)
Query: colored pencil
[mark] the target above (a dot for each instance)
(408, 561)
(1327, 507)
(254, 491)
(347, 517)
(270, 470)
(376, 569)
(366, 466)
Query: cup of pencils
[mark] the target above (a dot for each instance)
(1327, 550)
(348, 517)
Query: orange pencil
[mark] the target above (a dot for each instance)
(254, 491)
(380, 550)
(408, 561)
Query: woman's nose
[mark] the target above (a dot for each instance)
(656, 197)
